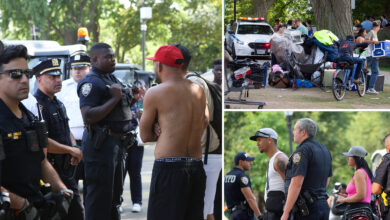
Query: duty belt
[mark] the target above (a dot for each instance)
(120, 136)
(242, 205)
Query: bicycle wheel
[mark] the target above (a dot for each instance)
(338, 87)
(361, 88)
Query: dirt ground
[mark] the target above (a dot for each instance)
(312, 98)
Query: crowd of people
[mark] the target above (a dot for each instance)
(84, 128)
(296, 186)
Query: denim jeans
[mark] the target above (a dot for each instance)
(373, 63)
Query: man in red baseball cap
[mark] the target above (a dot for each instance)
(175, 116)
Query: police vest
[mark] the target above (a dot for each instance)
(122, 111)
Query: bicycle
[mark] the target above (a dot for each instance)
(343, 80)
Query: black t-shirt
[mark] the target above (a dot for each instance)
(312, 160)
(21, 168)
(234, 181)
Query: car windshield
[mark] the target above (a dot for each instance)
(254, 29)
(126, 76)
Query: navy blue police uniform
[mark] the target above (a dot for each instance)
(382, 177)
(54, 114)
(104, 159)
(313, 161)
(21, 168)
(235, 200)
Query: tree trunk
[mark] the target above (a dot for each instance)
(333, 15)
(262, 7)
(94, 15)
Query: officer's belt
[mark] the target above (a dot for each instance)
(120, 136)
(242, 205)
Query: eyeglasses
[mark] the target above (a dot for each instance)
(18, 73)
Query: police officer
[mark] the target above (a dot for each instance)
(381, 181)
(61, 154)
(25, 163)
(307, 175)
(105, 107)
(80, 65)
(238, 192)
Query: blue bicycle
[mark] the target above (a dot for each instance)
(343, 80)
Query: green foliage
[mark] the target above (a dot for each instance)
(336, 130)
(372, 8)
(287, 9)
(195, 24)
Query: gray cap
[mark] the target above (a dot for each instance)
(357, 151)
(265, 132)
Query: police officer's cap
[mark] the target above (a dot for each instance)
(242, 156)
(357, 151)
(48, 67)
(265, 132)
(80, 60)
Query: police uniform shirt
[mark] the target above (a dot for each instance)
(93, 91)
(68, 96)
(234, 181)
(382, 174)
(54, 114)
(21, 169)
(313, 161)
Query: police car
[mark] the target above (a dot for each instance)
(249, 37)
(132, 74)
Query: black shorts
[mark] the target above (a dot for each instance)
(177, 190)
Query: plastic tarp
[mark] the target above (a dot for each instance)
(282, 47)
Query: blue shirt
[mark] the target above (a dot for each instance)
(234, 181)
(367, 25)
(303, 29)
(21, 169)
(313, 161)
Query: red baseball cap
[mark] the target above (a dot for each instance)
(168, 55)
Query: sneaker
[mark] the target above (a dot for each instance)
(371, 91)
(120, 209)
(136, 207)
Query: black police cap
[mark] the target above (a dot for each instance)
(48, 67)
(80, 60)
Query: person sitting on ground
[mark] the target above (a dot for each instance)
(346, 54)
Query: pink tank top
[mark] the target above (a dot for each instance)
(351, 189)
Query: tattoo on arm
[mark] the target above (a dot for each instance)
(281, 166)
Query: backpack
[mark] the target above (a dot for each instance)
(216, 123)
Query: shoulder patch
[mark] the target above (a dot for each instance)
(245, 180)
(377, 166)
(86, 89)
(296, 158)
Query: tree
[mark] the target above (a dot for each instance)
(57, 20)
(262, 7)
(333, 15)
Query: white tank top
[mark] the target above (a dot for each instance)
(275, 180)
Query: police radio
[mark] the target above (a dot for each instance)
(41, 129)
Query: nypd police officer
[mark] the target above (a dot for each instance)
(381, 181)
(80, 65)
(238, 192)
(307, 175)
(61, 154)
(105, 107)
(23, 140)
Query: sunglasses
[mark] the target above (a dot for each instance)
(18, 73)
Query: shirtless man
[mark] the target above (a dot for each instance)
(175, 116)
